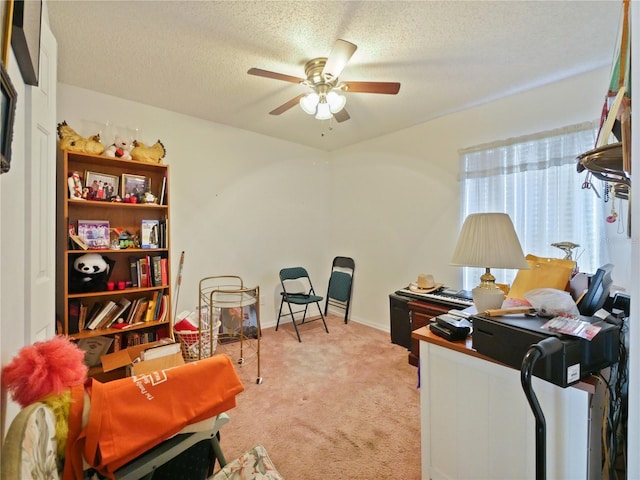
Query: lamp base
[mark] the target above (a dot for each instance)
(486, 297)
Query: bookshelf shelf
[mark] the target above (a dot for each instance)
(144, 272)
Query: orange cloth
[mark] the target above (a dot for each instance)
(131, 415)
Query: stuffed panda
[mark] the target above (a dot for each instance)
(90, 273)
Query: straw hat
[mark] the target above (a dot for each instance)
(425, 284)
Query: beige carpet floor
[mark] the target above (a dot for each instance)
(343, 405)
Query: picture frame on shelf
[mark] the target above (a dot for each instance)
(8, 114)
(134, 186)
(150, 234)
(101, 186)
(95, 233)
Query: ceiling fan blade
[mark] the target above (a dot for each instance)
(342, 115)
(286, 106)
(338, 58)
(389, 88)
(277, 76)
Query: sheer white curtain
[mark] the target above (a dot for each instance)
(534, 180)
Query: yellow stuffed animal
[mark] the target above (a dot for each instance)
(70, 140)
(153, 154)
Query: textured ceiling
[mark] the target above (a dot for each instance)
(192, 57)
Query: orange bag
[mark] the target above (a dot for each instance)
(131, 415)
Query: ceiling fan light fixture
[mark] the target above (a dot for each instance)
(324, 111)
(336, 101)
(309, 103)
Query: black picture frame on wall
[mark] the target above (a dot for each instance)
(8, 99)
(25, 38)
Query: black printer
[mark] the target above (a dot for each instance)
(508, 338)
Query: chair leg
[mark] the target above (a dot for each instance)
(217, 451)
(304, 315)
(322, 316)
(346, 311)
(293, 320)
(279, 313)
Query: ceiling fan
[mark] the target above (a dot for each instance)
(325, 100)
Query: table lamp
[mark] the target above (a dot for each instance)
(488, 240)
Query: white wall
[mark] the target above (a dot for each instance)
(396, 198)
(249, 205)
(241, 203)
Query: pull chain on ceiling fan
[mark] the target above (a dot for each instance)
(326, 100)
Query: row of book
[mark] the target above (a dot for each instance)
(117, 313)
(149, 271)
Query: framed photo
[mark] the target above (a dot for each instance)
(25, 38)
(8, 113)
(134, 186)
(95, 233)
(101, 186)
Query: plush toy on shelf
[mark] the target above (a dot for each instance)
(90, 273)
(120, 148)
(75, 186)
(153, 154)
(71, 141)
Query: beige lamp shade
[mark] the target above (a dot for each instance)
(488, 240)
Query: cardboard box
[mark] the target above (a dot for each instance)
(128, 358)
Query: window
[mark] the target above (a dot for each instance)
(534, 180)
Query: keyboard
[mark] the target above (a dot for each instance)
(461, 299)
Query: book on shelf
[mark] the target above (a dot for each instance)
(76, 241)
(74, 316)
(113, 317)
(133, 267)
(97, 306)
(164, 307)
(143, 268)
(163, 233)
(95, 233)
(94, 348)
(163, 190)
(151, 310)
(164, 272)
(104, 311)
(141, 311)
(158, 305)
(132, 311)
(156, 270)
(149, 233)
(117, 343)
(83, 317)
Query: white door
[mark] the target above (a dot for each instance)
(40, 201)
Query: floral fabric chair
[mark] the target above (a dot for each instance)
(252, 465)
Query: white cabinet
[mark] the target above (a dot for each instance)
(476, 422)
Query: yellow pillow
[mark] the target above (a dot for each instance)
(542, 273)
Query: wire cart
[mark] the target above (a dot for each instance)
(233, 311)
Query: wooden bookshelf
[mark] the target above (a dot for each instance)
(120, 215)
